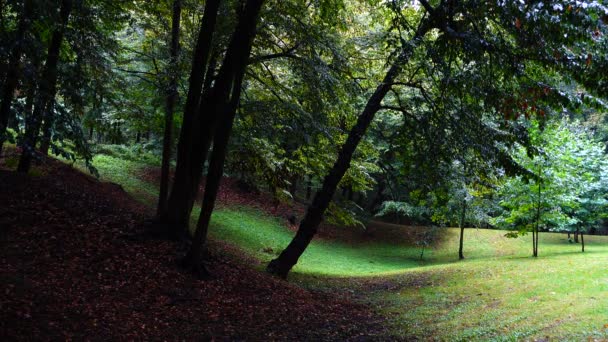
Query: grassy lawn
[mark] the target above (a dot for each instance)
(499, 292)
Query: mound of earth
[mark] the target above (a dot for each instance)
(70, 269)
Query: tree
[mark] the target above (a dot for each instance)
(473, 31)
(568, 192)
(193, 144)
(46, 90)
(14, 68)
(223, 103)
(170, 105)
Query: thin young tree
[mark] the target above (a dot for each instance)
(170, 101)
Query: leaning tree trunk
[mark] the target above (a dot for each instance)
(314, 214)
(230, 79)
(462, 220)
(47, 88)
(177, 213)
(169, 108)
(13, 73)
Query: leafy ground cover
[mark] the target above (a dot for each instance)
(499, 292)
(72, 267)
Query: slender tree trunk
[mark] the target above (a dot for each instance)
(576, 233)
(47, 88)
(230, 78)
(14, 69)
(47, 128)
(91, 133)
(377, 199)
(170, 105)
(309, 188)
(179, 204)
(462, 221)
(314, 214)
(212, 184)
(293, 187)
(582, 242)
(536, 226)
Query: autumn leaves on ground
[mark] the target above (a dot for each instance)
(75, 265)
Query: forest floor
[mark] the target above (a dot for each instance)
(72, 267)
(379, 283)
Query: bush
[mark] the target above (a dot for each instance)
(145, 153)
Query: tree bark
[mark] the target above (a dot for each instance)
(314, 214)
(377, 199)
(293, 187)
(14, 69)
(47, 128)
(582, 242)
(576, 233)
(228, 91)
(179, 205)
(536, 226)
(462, 221)
(169, 108)
(46, 89)
(309, 188)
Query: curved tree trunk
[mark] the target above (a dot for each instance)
(169, 108)
(314, 214)
(179, 204)
(47, 89)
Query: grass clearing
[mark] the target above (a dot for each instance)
(499, 292)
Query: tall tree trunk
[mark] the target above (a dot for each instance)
(170, 105)
(179, 204)
(377, 199)
(293, 187)
(228, 87)
(14, 68)
(582, 241)
(309, 188)
(536, 226)
(314, 214)
(47, 128)
(212, 184)
(47, 88)
(462, 221)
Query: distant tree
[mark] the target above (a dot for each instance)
(568, 193)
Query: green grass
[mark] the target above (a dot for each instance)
(499, 292)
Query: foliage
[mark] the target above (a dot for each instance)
(572, 180)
